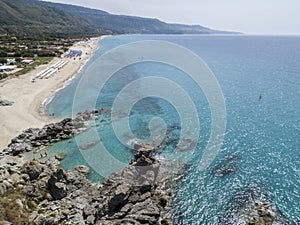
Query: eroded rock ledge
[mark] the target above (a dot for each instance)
(44, 193)
(54, 132)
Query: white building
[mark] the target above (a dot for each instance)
(7, 69)
(27, 61)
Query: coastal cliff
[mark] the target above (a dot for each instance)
(45, 193)
(42, 192)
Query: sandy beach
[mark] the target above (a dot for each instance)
(28, 97)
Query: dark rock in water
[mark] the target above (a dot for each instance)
(173, 140)
(89, 145)
(174, 127)
(170, 140)
(225, 169)
(227, 166)
(186, 144)
(60, 156)
(178, 219)
(6, 103)
(252, 205)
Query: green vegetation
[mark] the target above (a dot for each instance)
(32, 17)
(119, 24)
(40, 49)
(18, 17)
(31, 205)
(12, 208)
(38, 29)
(27, 67)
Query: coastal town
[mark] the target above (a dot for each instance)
(21, 54)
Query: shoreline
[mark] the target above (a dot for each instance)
(69, 80)
(30, 98)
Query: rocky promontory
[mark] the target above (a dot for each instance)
(35, 192)
(54, 132)
(42, 192)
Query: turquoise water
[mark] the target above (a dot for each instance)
(263, 134)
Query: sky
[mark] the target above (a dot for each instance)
(247, 16)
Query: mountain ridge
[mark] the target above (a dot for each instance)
(18, 17)
(42, 17)
(117, 23)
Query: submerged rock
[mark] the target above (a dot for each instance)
(50, 133)
(253, 206)
(139, 194)
(227, 166)
(89, 145)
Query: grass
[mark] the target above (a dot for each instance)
(42, 60)
(31, 205)
(11, 211)
(3, 76)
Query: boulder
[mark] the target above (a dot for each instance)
(57, 185)
(32, 168)
(57, 190)
(119, 198)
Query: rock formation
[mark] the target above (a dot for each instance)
(37, 138)
(50, 195)
(5, 103)
(253, 205)
(227, 166)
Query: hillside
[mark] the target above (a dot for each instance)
(39, 17)
(17, 17)
(127, 24)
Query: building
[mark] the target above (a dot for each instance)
(27, 61)
(5, 69)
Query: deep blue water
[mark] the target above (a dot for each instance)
(264, 133)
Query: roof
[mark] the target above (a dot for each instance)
(27, 61)
(7, 67)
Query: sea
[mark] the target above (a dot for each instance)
(259, 78)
